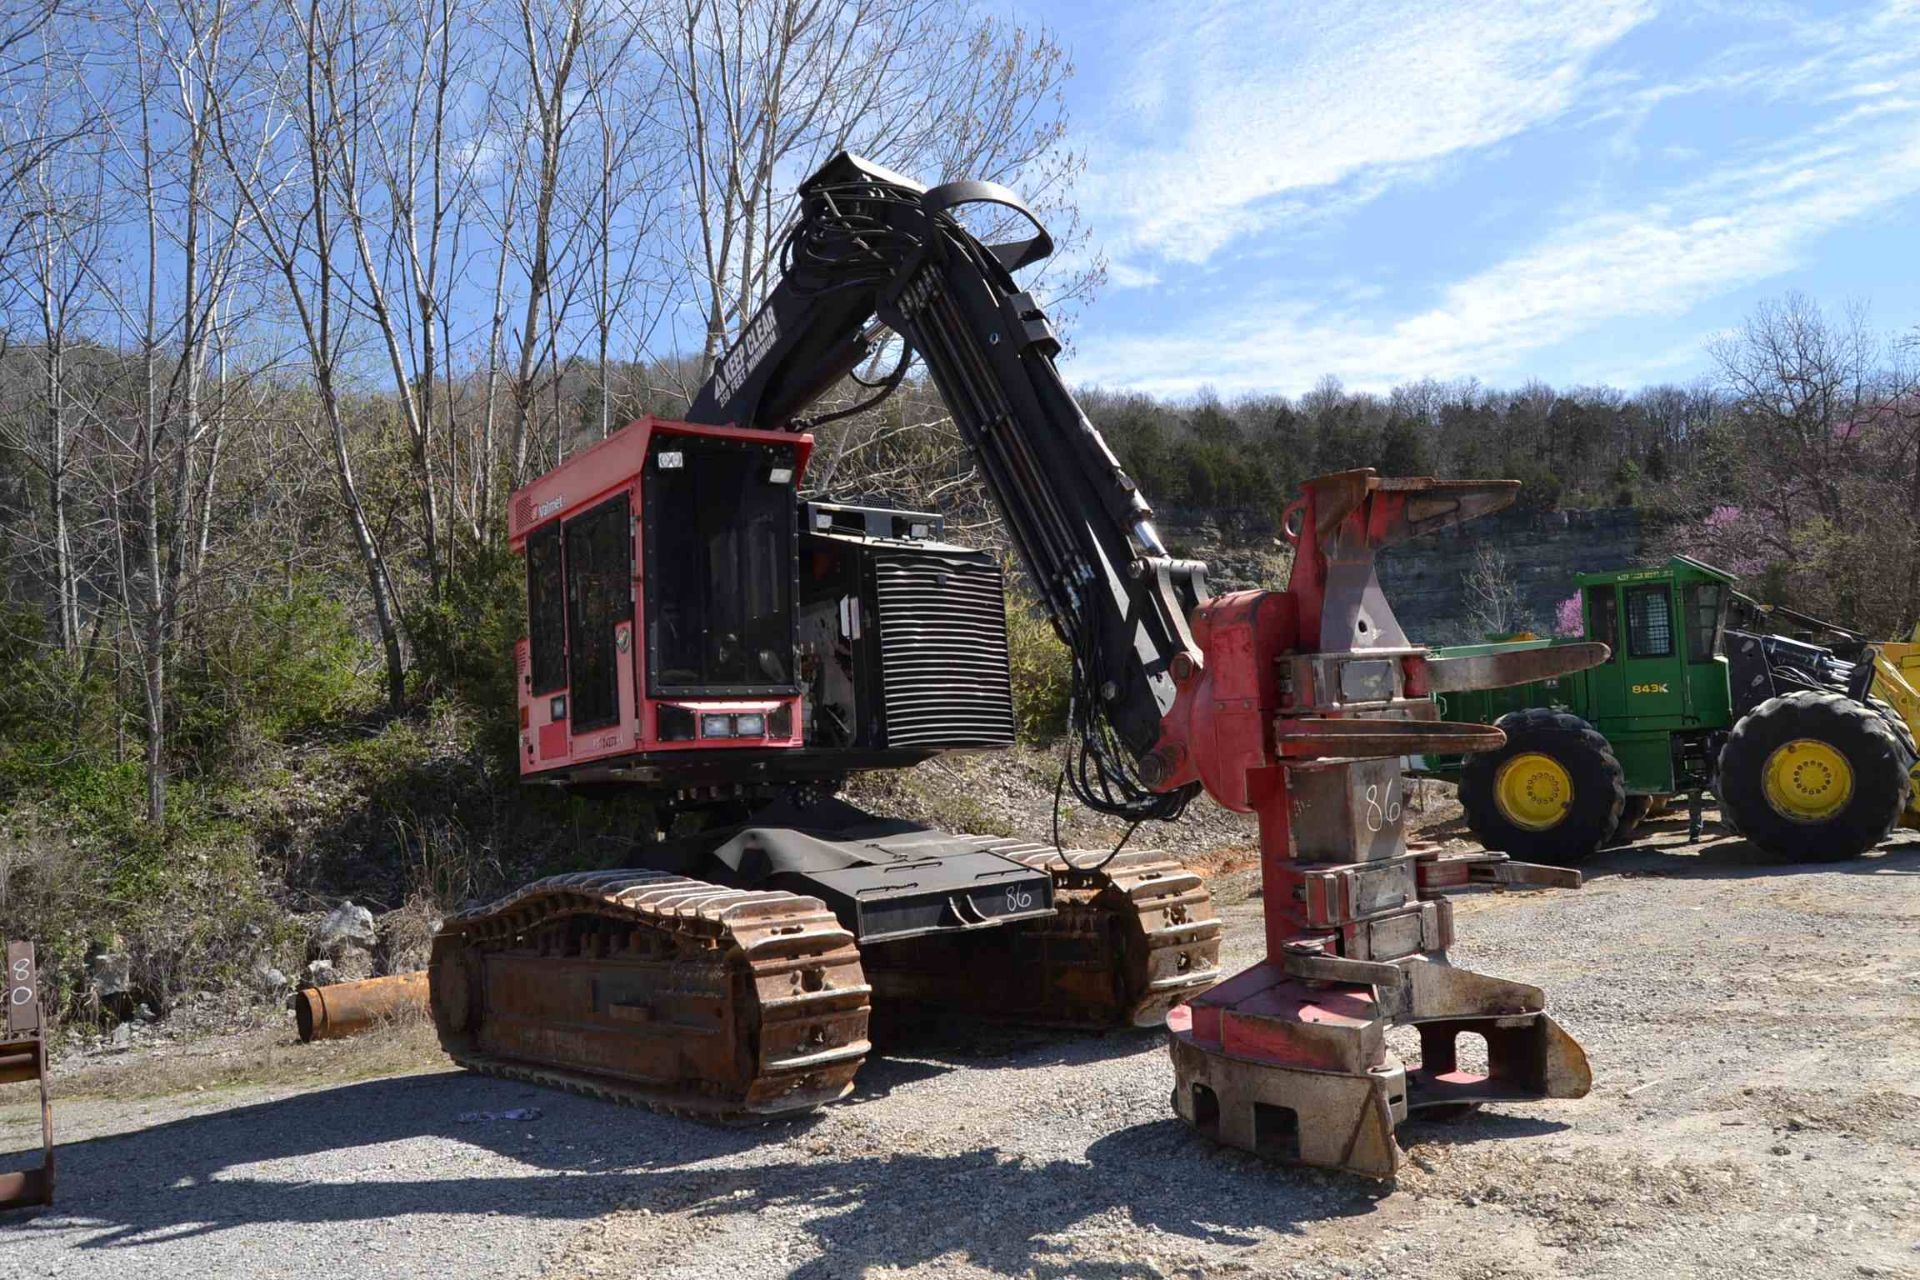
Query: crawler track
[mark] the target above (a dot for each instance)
(1129, 940)
(656, 989)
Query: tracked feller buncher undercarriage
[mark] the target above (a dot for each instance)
(685, 995)
(697, 629)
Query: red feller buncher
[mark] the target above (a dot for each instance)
(696, 628)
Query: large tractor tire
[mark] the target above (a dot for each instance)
(1814, 777)
(1631, 816)
(1902, 731)
(1553, 793)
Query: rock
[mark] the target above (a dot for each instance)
(268, 980)
(406, 938)
(320, 974)
(111, 973)
(350, 964)
(345, 925)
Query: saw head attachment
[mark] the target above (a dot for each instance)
(1300, 709)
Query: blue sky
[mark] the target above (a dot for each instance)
(1578, 190)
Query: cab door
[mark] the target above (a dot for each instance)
(1655, 681)
(599, 604)
(1606, 684)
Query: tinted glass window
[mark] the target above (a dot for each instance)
(1603, 619)
(599, 598)
(720, 566)
(1649, 622)
(1703, 601)
(546, 611)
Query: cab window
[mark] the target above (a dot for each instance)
(1603, 619)
(546, 611)
(1703, 604)
(1649, 622)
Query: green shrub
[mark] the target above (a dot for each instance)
(1042, 671)
(284, 664)
(463, 643)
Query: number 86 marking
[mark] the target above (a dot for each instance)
(1376, 816)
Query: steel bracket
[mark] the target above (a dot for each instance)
(23, 1057)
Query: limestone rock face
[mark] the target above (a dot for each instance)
(1424, 579)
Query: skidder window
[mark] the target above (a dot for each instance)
(1649, 622)
(1703, 620)
(1603, 621)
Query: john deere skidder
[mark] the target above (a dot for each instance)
(1804, 759)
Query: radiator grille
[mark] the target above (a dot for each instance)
(943, 649)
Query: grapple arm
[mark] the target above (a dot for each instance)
(868, 246)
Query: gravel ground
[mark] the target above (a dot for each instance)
(1754, 1030)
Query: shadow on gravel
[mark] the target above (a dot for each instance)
(1722, 857)
(192, 1177)
(202, 1175)
(1474, 1128)
(958, 1042)
(991, 1210)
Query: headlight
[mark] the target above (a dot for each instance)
(716, 726)
(753, 726)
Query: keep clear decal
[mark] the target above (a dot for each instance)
(737, 363)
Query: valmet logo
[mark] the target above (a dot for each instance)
(1650, 688)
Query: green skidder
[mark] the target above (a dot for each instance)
(1802, 760)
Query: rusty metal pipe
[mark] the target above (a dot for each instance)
(348, 1008)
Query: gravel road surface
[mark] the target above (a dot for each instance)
(1754, 1029)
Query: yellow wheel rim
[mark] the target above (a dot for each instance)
(1533, 791)
(1806, 780)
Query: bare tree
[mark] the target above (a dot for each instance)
(403, 95)
(25, 50)
(285, 174)
(551, 35)
(59, 246)
(763, 90)
(1492, 597)
(1799, 385)
(163, 150)
(619, 211)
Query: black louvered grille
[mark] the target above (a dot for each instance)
(943, 650)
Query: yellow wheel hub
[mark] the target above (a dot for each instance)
(1807, 780)
(1533, 791)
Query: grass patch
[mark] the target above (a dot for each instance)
(270, 1057)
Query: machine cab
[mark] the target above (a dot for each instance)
(690, 620)
(1665, 627)
(660, 584)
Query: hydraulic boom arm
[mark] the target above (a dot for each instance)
(871, 251)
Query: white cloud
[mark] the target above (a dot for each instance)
(1247, 102)
(1754, 215)
(1742, 223)
(1123, 276)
